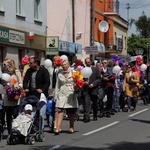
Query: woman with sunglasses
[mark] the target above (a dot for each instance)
(10, 105)
(130, 87)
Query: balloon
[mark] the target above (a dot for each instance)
(47, 63)
(64, 57)
(2, 91)
(86, 72)
(0, 72)
(143, 67)
(116, 69)
(6, 76)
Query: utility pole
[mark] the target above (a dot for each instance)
(128, 7)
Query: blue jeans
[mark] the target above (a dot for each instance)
(50, 121)
(42, 115)
(129, 102)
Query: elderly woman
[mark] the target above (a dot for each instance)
(130, 86)
(65, 97)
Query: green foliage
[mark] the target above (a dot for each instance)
(136, 42)
(142, 25)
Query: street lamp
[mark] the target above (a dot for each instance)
(139, 51)
(147, 52)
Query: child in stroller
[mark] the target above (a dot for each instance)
(25, 128)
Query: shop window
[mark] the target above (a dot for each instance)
(37, 55)
(1, 55)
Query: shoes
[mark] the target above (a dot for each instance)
(56, 132)
(86, 120)
(112, 113)
(101, 115)
(71, 130)
(108, 115)
(95, 119)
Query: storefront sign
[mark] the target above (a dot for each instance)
(91, 49)
(70, 47)
(16, 37)
(11, 36)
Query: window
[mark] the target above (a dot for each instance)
(37, 10)
(1, 5)
(1, 55)
(19, 7)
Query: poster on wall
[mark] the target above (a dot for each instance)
(52, 45)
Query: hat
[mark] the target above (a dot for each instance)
(28, 107)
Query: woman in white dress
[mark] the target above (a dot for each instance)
(65, 97)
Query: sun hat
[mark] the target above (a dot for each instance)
(28, 107)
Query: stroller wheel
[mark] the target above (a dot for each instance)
(26, 140)
(8, 140)
(37, 137)
(31, 140)
(41, 137)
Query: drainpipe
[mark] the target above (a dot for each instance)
(92, 20)
(73, 21)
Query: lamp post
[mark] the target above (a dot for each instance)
(139, 51)
(147, 52)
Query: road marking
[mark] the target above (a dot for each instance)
(138, 112)
(102, 128)
(54, 147)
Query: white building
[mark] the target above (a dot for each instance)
(18, 20)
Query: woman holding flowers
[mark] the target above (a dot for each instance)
(65, 97)
(12, 93)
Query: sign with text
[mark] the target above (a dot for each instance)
(91, 49)
(70, 47)
(11, 36)
(52, 45)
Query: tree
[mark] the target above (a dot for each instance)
(142, 25)
(136, 42)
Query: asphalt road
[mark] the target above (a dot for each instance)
(123, 131)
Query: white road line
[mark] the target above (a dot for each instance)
(138, 112)
(102, 128)
(54, 147)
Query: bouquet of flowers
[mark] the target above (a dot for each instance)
(12, 91)
(78, 77)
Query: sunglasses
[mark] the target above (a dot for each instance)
(104, 63)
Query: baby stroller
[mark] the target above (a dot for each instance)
(34, 132)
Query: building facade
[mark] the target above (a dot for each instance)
(70, 22)
(23, 26)
(115, 39)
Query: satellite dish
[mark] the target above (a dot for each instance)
(103, 26)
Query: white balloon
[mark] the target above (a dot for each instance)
(47, 63)
(0, 72)
(143, 67)
(116, 69)
(64, 57)
(86, 72)
(2, 91)
(6, 76)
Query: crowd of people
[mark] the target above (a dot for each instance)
(122, 89)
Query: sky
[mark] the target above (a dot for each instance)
(135, 11)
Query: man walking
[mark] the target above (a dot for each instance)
(37, 81)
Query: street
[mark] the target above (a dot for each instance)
(125, 131)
